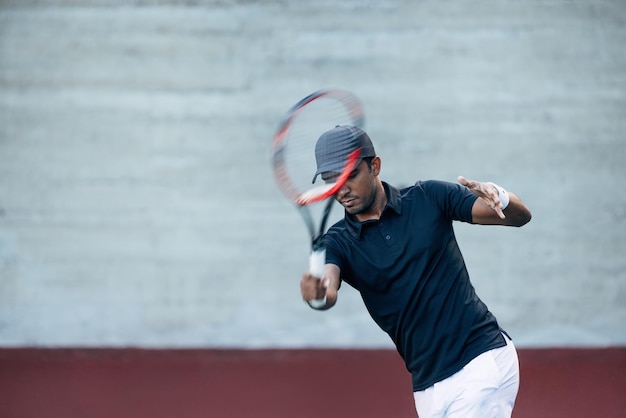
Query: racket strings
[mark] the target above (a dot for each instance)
(293, 154)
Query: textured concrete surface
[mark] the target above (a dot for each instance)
(137, 205)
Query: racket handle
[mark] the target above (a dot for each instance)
(317, 259)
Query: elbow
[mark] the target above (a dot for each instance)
(526, 220)
(522, 219)
(527, 216)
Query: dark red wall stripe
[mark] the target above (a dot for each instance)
(329, 383)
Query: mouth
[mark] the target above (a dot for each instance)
(348, 202)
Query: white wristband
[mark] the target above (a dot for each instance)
(503, 195)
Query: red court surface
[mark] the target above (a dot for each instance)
(135, 383)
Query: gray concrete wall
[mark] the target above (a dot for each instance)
(137, 205)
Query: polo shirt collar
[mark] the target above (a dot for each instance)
(394, 201)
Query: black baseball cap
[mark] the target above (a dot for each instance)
(333, 148)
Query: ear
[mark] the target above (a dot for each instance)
(376, 164)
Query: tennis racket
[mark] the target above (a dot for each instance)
(293, 160)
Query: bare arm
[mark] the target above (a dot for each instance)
(315, 288)
(487, 210)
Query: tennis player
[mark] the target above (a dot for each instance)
(397, 248)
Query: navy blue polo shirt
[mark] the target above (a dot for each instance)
(411, 275)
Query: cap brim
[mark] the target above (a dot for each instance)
(332, 167)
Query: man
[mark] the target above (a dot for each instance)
(397, 248)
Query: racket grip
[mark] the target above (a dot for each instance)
(317, 259)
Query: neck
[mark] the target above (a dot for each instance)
(375, 211)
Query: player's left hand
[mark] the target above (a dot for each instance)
(486, 191)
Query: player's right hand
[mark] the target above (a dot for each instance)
(312, 287)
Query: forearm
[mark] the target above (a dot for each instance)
(515, 214)
(495, 205)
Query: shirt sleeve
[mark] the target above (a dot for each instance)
(333, 254)
(455, 200)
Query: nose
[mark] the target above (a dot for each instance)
(345, 189)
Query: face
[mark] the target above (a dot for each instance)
(358, 195)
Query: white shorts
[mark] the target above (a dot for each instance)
(485, 388)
